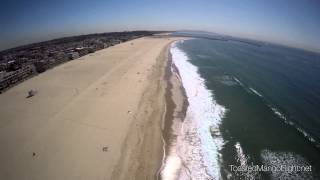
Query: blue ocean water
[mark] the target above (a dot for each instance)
(271, 97)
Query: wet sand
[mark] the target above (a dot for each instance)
(176, 103)
(97, 117)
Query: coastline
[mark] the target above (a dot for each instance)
(99, 117)
(248, 104)
(144, 161)
(191, 150)
(176, 108)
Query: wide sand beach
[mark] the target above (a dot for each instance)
(98, 117)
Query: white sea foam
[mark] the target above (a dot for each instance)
(243, 159)
(238, 81)
(285, 159)
(305, 134)
(279, 114)
(199, 140)
(255, 92)
(286, 120)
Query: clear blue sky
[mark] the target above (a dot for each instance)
(291, 22)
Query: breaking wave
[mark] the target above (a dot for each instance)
(199, 140)
(286, 160)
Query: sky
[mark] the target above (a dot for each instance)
(290, 22)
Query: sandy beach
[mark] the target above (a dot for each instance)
(97, 117)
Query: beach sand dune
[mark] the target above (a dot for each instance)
(97, 117)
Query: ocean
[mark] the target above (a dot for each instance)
(249, 107)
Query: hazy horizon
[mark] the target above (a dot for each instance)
(291, 22)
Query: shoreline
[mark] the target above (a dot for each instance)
(191, 146)
(150, 134)
(99, 117)
(176, 109)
